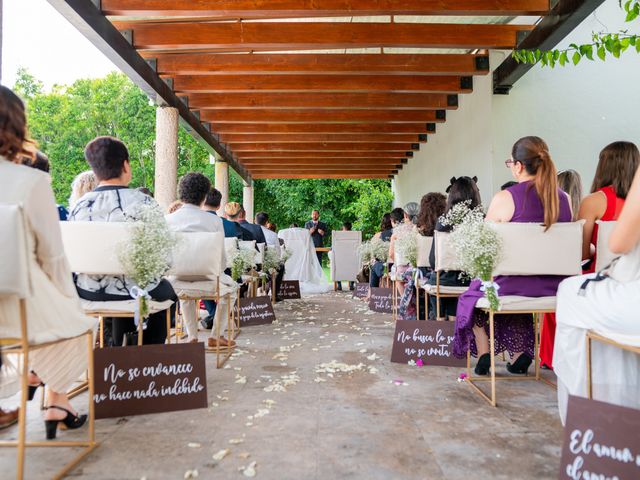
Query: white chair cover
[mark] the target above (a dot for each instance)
(604, 256)
(344, 257)
(424, 249)
(303, 264)
(230, 247)
(445, 255)
(15, 277)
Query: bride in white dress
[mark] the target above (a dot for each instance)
(609, 306)
(303, 263)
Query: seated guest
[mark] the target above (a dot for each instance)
(508, 184)
(432, 205)
(411, 211)
(401, 227)
(174, 206)
(192, 192)
(83, 183)
(113, 201)
(535, 199)
(212, 205)
(53, 311)
(377, 268)
(461, 189)
(233, 213)
(606, 304)
(256, 230)
(616, 167)
(262, 219)
(272, 226)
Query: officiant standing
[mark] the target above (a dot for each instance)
(318, 230)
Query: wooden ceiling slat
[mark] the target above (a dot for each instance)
(320, 83)
(247, 9)
(326, 137)
(321, 147)
(322, 116)
(318, 176)
(289, 36)
(262, 155)
(341, 128)
(305, 64)
(319, 100)
(323, 161)
(331, 168)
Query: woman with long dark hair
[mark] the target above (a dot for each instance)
(432, 205)
(535, 199)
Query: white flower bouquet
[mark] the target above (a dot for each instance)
(271, 260)
(374, 249)
(146, 256)
(460, 212)
(406, 243)
(244, 259)
(479, 248)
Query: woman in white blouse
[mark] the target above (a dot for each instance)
(53, 312)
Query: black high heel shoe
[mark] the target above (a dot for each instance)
(32, 391)
(483, 367)
(521, 365)
(70, 422)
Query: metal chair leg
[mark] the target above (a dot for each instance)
(493, 358)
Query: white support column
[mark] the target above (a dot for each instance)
(222, 182)
(247, 200)
(166, 171)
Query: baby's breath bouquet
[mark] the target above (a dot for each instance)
(374, 249)
(244, 259)
(460, 212)
(271, 260)
(146, 256)
(406, 243)
(479, 248)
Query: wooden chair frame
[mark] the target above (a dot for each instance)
(471, 380)
(22, 347)
(591, 336)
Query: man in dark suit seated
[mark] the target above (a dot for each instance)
(212, 205)
(318, 230)
(256, 230)
(233, 212)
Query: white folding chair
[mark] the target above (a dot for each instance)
(15, 286)
(604, 256)
(93, 248)
(446, 259)
(527, 250)
(630, 343)
(195, 275)
(250, 280)
(343, 258)
(423, 250)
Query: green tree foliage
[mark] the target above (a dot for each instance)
(66, 118)
(602, 44)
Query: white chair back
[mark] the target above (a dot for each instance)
(247, 244)
(424, 249)
(230, 247)
(94, 247)
(260, 254)
(345, 260)
(528, 250)
(198, 255)
(446, 257)
(604, 256)
(15, 272)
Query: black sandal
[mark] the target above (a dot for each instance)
(70, 422)
(483, 367)
(521, 365)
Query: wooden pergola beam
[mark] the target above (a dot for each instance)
(323, 176)
(323, 137)
(363, 162)
(247, 9)
(340, 128)
(288, 36)
(319, 100)
(321, 83)
(322, 116)
(264, 155)
(328, 168)
(323, 147)
(309, 63)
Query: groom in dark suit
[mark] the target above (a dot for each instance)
(318, 230)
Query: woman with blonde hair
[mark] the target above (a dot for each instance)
(53, 309)
(83, 183)
(570, 182)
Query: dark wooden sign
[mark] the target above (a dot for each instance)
(381, 300)
(429, 341)
(149, 379)
(290, 289)
(601, 440)
(256, 311)
(361, 291)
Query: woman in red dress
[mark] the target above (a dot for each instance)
(617, 166)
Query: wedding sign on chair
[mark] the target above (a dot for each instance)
(344, 258)
(94, 248)
(557, 251)
(16, 290)
(197, 274)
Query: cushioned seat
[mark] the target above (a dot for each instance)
(519, 303)
(444, 289)
(199, 289)
(121, 307)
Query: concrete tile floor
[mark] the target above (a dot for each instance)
(357, 425)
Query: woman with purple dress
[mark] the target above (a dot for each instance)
(535, 199)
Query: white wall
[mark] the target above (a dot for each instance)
(577, 110)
